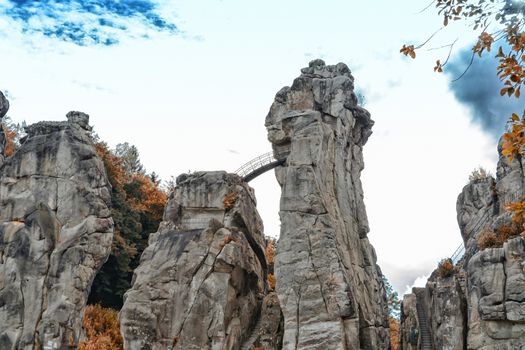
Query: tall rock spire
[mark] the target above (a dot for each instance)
(329, 286)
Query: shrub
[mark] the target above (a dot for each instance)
(102, 329)
(479, 174)
(488, 239)
(270, 251)
(271, 281)
(229, 200)
(446, 268)
(394, 333)
(495, 239)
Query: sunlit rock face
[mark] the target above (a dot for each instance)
(486, 292)
(202, 280)
(328, 283)
(55, 234)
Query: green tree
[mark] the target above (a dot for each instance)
(394, 304)
(137, 207)
(130, 158)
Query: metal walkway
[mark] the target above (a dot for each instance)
(259, 165)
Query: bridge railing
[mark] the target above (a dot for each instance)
(256, 163)
(458, 254)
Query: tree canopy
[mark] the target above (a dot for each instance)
(137, 208)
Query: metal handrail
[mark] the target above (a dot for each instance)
(458, 254)
(257, 163)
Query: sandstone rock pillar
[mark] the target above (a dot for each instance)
(55, 234)
(202, 278)
(328, 282)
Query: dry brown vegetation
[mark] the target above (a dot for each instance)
(229, 200)
(102, 329)
(495, 239)
(445, 268)
(394, 333)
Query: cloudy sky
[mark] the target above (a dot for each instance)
(190, 83)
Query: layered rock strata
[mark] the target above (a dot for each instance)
(328, 283)
(486, 292)
(203, 277)
(55, 234)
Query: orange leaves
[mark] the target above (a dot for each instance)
(114, 166)
(439, 67)
(485, 41)
(102, 329)
(229, 200)
(270, 251)
(271, 281)
(514, 140)
(494, 239)
(149, 198)
(394, 333)
(518, 211)
(445, 268)
(10, 142)
(408, 51)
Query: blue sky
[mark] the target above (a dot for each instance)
(190, 83)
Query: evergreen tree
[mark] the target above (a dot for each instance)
(394, 304)
(137, 208)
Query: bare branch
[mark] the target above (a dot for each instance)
(430, 38)
(426, 7)
(466, 69)
(449, 52)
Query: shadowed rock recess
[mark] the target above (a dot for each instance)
(329, 285)
(202, 280)
(55, 233)
(481, 305)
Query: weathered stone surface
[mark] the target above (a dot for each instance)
(445, 303)
(202, 279)
(4, 107)
(409, 325)
(55, 234)
(491, 281)
(328, 283)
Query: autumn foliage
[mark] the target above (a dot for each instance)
(270, 256)
(445, 268)
(137, 209)
(229, 200)
(102, 329)
(495, 238)
(394, 333)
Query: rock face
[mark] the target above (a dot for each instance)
(487, 290)
(329, 286)
(55, 233)
(202, 279)
(4, 107)
(409, 328)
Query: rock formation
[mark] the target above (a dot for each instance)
(4, 107)
(329, 286)
(55, 233)
(481, 306)
(203, 277)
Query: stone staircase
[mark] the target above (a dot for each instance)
(424, 329)
(253, 337)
